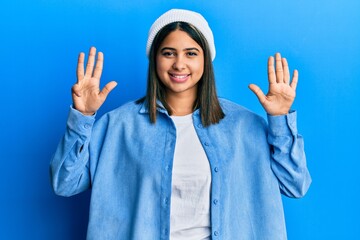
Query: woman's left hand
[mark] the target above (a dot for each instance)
(281, 93)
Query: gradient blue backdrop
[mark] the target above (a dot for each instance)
(39, 44)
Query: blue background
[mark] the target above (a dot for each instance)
(39, 44)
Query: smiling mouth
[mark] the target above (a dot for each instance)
(179, 77)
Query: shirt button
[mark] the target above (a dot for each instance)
(215, 201)
(167, 168)
(216, 233)
(206, 144)
(199, 125)
(166, 201)
(216, 169)
(86, 126)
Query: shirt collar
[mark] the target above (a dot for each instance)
(160, 107)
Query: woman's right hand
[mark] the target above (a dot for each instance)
(86, 94)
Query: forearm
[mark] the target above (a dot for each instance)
(288, 155)
(69, 167)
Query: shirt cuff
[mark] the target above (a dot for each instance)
(283, 125)
(79, 122)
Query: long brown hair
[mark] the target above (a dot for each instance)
(207, 100)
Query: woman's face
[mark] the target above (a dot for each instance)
(180, 64)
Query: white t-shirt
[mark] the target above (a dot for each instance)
(191, 182)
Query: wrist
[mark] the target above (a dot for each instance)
(83, 112)
(88, 113)
(278, 113)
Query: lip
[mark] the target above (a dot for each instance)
(179, 78)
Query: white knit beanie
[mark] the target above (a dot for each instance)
(181, 15)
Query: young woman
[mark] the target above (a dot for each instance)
(182, 163)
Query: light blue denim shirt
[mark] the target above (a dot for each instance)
(127, 162)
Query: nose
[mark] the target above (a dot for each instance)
(179, 63)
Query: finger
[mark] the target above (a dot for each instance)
(90, 62)
(271, 70)
(80, 67)
(278, 68)
(258, 92)
(294, 80)
(285, 66)
(99, 65)
(107, 89)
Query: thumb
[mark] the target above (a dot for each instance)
(107, 89)
(258, 92)
(76, 90)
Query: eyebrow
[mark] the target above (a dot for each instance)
(185, 49)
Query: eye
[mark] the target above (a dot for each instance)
(192, 54)
(168, 54)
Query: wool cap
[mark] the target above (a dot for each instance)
(181, 15)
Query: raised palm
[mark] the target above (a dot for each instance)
(86, 94)
(282, 92)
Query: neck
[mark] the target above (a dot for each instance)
(181, 105)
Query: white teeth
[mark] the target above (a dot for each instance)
(180, 76)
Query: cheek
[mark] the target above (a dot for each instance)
(161, 70)
(199, 67)
(160, 66)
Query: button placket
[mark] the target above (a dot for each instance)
(206, 141)
(166, 180)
